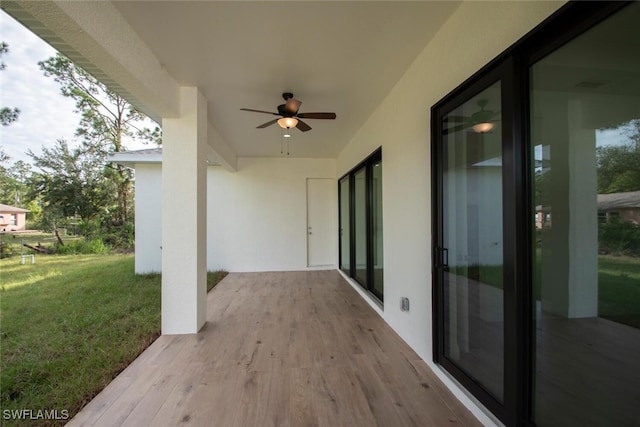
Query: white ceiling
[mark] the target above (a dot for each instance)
(341, 57)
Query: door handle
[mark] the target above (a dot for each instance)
(441, 257)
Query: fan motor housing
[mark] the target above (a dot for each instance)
(283, 111)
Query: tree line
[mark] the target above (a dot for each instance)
(74, 186)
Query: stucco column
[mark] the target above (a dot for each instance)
(570, 246)
(184, 205)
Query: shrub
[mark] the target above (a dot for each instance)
(619, 237)
(6, 250)
(83, 246)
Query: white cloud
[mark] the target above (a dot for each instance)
(45, 115)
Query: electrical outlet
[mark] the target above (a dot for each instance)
(404, 304)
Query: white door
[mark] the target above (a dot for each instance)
(321, 222)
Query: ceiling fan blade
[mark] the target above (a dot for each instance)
(328, 116)
(269, 123)
(303, 126)
(456, 119)
(259, 111)
(292, 105)
(455, 129)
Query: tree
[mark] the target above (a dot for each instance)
(5, 179)
(7, 114)
(4, 157)
(71, 182)
(618, 168)
(14, 183)
(106, 119)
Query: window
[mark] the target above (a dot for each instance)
(602, 217)
(534, 313)
(361, 239)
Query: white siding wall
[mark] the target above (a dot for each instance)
(148, 194)
(258, 215)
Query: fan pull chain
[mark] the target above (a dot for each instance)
(282, 141)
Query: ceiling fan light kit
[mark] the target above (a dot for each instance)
(290, 117)
(483, 127)
(482, 121)
(288, 122)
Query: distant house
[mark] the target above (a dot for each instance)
(625, 206)
(12, 218)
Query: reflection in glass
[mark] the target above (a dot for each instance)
(472, 238)
(585, 128)
(378, 261)
(345, 262)
(360, 213)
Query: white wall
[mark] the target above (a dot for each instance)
(148, 198)
(258, 215)
(475, 34)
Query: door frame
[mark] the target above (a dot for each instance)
(330, 235)
(500, 72)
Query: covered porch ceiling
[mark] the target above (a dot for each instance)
(341, 57)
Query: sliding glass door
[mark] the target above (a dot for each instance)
(536, 224)
(361, 237)
(472, 246)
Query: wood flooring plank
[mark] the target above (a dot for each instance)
(350, 401)
(102, 402)
(122, 407)
(147, 407)
(303, 408)
(428, 380)
(172, 412)
(280, 349)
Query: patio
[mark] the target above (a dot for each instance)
(285, 349)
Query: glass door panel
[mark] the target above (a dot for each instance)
(360, 216)
(376, 211)
(472, 240)
(345, 227)
(585, 133)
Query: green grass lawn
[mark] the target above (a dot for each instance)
(69, 324)
(12, 242)
(618, 285)
(619, 289)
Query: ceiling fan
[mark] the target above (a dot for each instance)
(289, 116)
(481, 121)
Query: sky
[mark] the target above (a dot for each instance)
(45, 115)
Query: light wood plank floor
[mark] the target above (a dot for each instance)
(280, 349)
